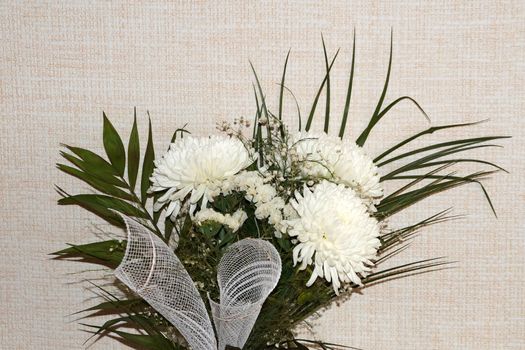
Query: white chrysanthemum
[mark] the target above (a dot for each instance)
(197, 165)
(335, 233)
(341, 161)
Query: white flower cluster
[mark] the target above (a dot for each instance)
(340, 161)
(232, 221)
(262, 194)
(330, 221)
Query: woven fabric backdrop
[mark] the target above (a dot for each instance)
(62, 63)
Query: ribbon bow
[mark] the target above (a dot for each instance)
(247, 273)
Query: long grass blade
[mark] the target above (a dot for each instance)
(421, 162)
(430, 130)
(452, 177)
(393, 205)
(399, 236)
(264, 109)
(327, 105)
(426, 265)
(348, 93)
(296, 105)
(465, 142)
(281, 95)
(418, 179)
(364, 135)
(316, 100)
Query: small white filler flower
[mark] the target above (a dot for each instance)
(335, 233)
(197, 166)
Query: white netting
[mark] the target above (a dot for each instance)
(152, 270)
(247, 273)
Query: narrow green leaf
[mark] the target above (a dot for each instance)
(147, 166)
(114, 146)
(457, 178)
(348, 93)
(147, 323)
(113, 305)
(422, 162)
(417, 180)
(133, 153)
(96, 202)
(93, 164)
(182, 131)
(400, 235)
(95, 182)
(257, 116)
(281, 94)
(426, 265)
(430, 130)
(264, 109)
(377, 118)
(168, 229)
(93, 206)
(297, 106)
(327, 105)
(316, 99)
(257, 136)
(110, 251)
(462, 160)
(151, 342)
(464, 142)
(390, 206)
(364, 135)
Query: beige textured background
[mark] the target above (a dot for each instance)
(62, 63)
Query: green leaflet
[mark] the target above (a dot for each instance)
(133, 153)
(95, 201)
(93, 206)
(147, 166)
(104, 252)
(94, 165)
(95, 182)
(114, 146)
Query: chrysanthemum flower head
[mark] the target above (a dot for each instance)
(341, 161)
(335, 233)
(197, 166)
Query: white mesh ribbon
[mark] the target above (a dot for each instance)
(247, 273)
(151, 269)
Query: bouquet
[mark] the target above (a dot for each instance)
(235, 239)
